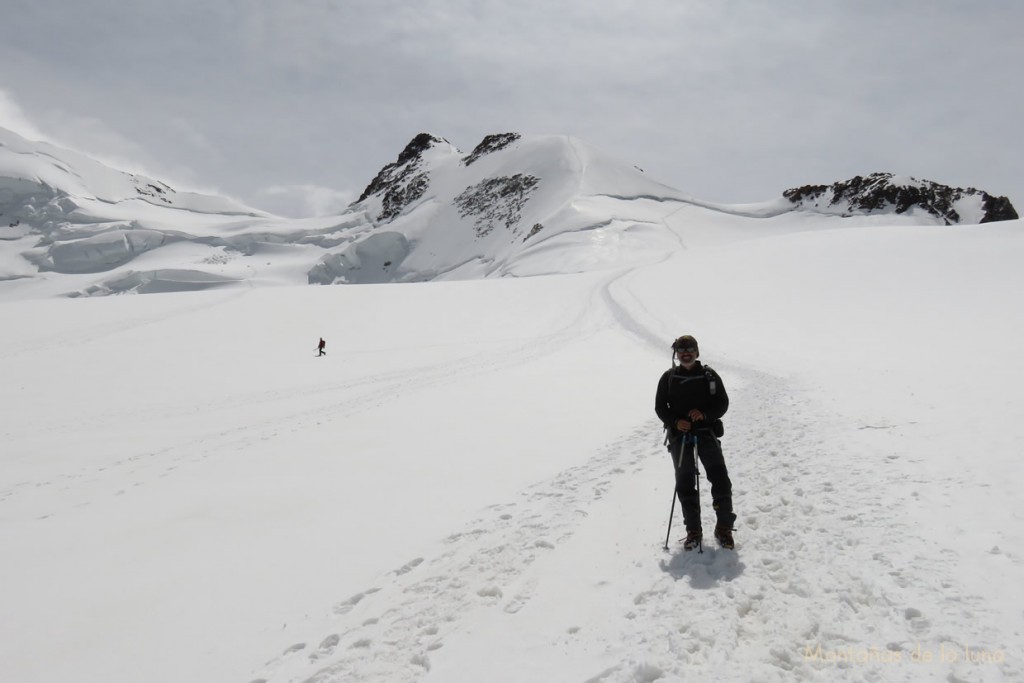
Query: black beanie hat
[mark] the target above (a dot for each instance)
(686, 342)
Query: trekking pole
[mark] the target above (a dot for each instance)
(672, 510)
(696, 478)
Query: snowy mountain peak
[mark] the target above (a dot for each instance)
(404, 181)
(67, 214)
(517, 205)
(33, 174)
(401, 183)
(486, 213)
(889, 193)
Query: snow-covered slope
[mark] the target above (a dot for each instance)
(471, 485)
(77, 227)
(39, 169)
(487, 212)
(73, 225)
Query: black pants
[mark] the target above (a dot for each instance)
(709, 450)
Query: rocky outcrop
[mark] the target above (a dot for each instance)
(153, 189)
(496, 201)
(402, 182)
(997, 209)
(491, 143)
(881, 192)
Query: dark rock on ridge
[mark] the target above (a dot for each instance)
(496, 200)
(998, 209)
(877, 192)
(401, 182)
(491, 143)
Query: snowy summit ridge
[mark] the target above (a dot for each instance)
(515, 205)
(43, 184)
(400, 183)
(885, 192)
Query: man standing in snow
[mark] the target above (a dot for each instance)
(320, 347)
(691, 401)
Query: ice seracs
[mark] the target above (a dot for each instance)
(513, 206)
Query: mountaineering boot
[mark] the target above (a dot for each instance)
(724, 537)
(693, 538)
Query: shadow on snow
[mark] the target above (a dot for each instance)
(705, 570)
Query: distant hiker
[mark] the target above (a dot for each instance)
(320, 347)
(691, 401)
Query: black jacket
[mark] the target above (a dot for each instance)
(681, 390)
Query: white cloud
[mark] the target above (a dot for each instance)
(13, 118)
(297, 201)
(731, 101)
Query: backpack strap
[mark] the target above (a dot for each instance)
(709, 375)
(712, 382)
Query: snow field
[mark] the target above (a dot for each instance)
(472, 485)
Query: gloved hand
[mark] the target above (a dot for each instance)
(696, 415)
(683, 425)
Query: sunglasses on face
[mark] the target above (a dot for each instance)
(688, 350)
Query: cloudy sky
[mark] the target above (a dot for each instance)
(294, 105)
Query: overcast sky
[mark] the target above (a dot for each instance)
(294, 105)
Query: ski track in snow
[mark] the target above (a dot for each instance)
(764, 602)
(790, 488)
(361, 394)
(91, 331)
(701, 611)
(425, 597)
